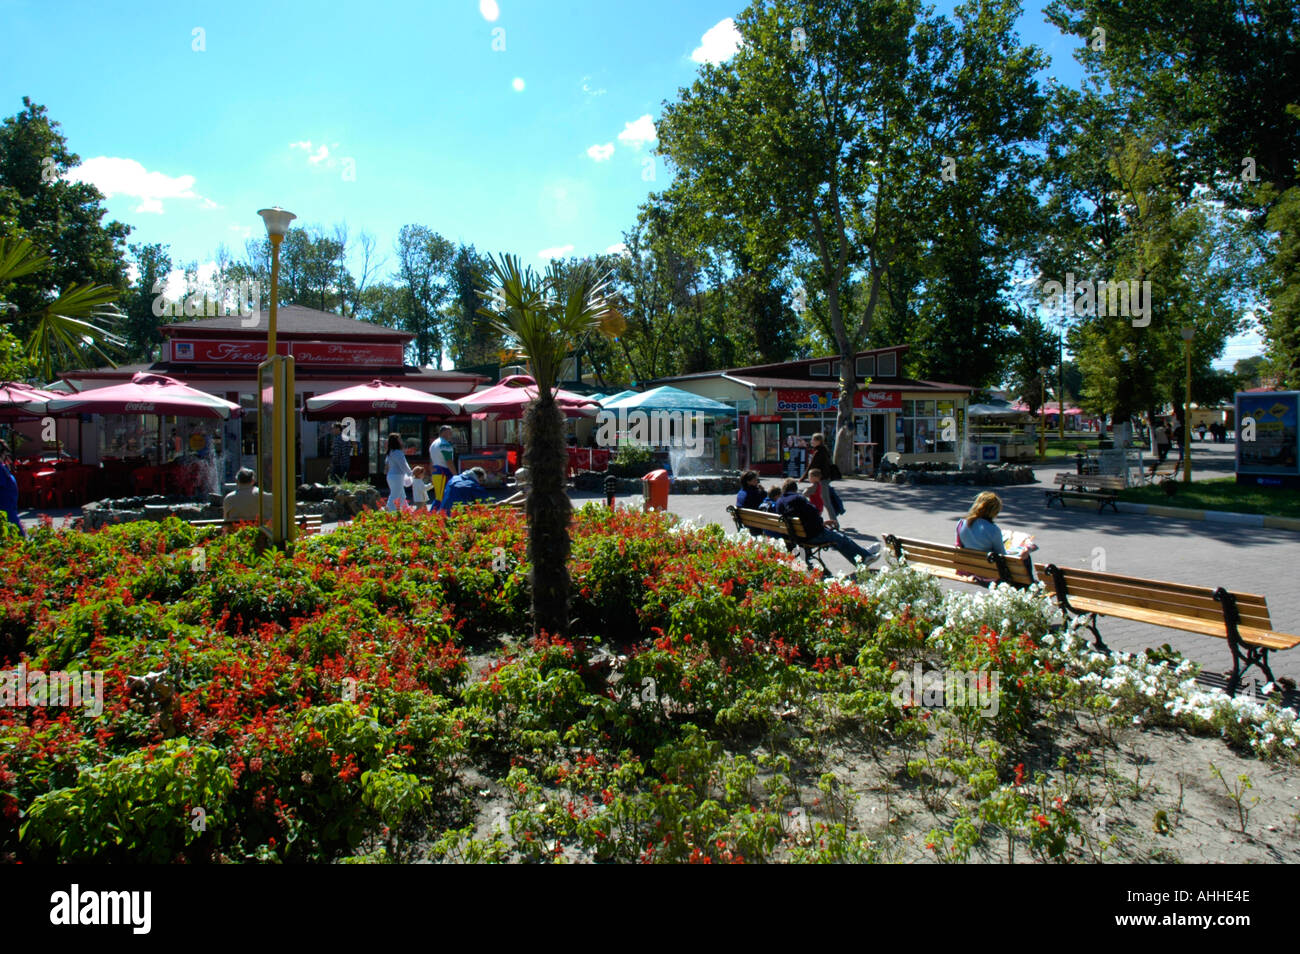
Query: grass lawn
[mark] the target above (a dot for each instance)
(1221, 494)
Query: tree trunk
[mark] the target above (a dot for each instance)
(549, 512)
(843, 453)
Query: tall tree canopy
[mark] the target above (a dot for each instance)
(832, 132)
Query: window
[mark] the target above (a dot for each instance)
(822, 370)
(920, 427)
(867, 367)
(888, 365)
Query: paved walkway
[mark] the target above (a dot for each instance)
(1164, 548)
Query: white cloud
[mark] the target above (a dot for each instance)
(719, 42)
(114, 176)
(618, 248)
(638, 132)
(558, 252)
(601, 153)
(489, 9)
(518, 84)
(320, 155)
(589, 89)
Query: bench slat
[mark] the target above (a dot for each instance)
(1179, 598)
(960, 563)
(1268, 638)
(1254, 636)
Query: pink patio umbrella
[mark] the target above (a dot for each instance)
(22, 400)
(379, 399)
(145, 393)
(511, 395)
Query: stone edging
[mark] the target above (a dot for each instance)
(1214, 516)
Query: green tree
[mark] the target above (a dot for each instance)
(1034, 351)
(835, 148)
(62, 218)
(140, 326)
(470, 340)
(424, 269)
(547, 318)
(1218, 80)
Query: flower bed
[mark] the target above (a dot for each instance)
(374, 696)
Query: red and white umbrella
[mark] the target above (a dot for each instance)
(508, 399)
(379, 399)
(145, 393)
(22, 400)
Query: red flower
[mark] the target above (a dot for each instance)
(1020, 774)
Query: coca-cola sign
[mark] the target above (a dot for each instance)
(138, 407)
(311, 353)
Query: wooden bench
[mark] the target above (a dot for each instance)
(308, 523)
(1240, 618)
(1165, 470)
(785, 528)
(961, 564)
(1107, 488)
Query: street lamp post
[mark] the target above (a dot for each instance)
(1188, 333)
(1042, 412)
(275, 387)
(1060, 385)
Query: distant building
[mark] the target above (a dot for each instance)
(220, 355)
(780, 406)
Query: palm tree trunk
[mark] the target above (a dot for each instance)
(549, 512)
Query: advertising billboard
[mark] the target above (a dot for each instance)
(1268, 442)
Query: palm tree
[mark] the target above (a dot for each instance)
(546, 318)
(75, 324)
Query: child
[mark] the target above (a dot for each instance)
(419, 489)
(814, 496)
(769, 504)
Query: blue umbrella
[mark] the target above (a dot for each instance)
(618, 397)
(667, 398)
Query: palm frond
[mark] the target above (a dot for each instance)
(74, 326)
(19, 257)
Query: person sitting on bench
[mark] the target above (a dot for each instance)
(977, 531)
(796, 506)
(520, 495)
(240, 505)
(751, 495)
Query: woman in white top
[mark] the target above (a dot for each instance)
(398, 471)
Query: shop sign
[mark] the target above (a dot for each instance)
(310, 353)
(824, 401)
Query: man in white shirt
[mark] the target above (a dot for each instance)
(442, 453)
(240, 505)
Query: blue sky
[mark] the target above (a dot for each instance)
(518, 126)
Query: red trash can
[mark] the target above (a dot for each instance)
(654, 486)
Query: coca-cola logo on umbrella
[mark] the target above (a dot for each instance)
(139, 407)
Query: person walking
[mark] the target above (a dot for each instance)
(1162, 440)
(340, 454)
(398, 470)
(821, 460)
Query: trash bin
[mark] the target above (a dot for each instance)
(654, 486)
